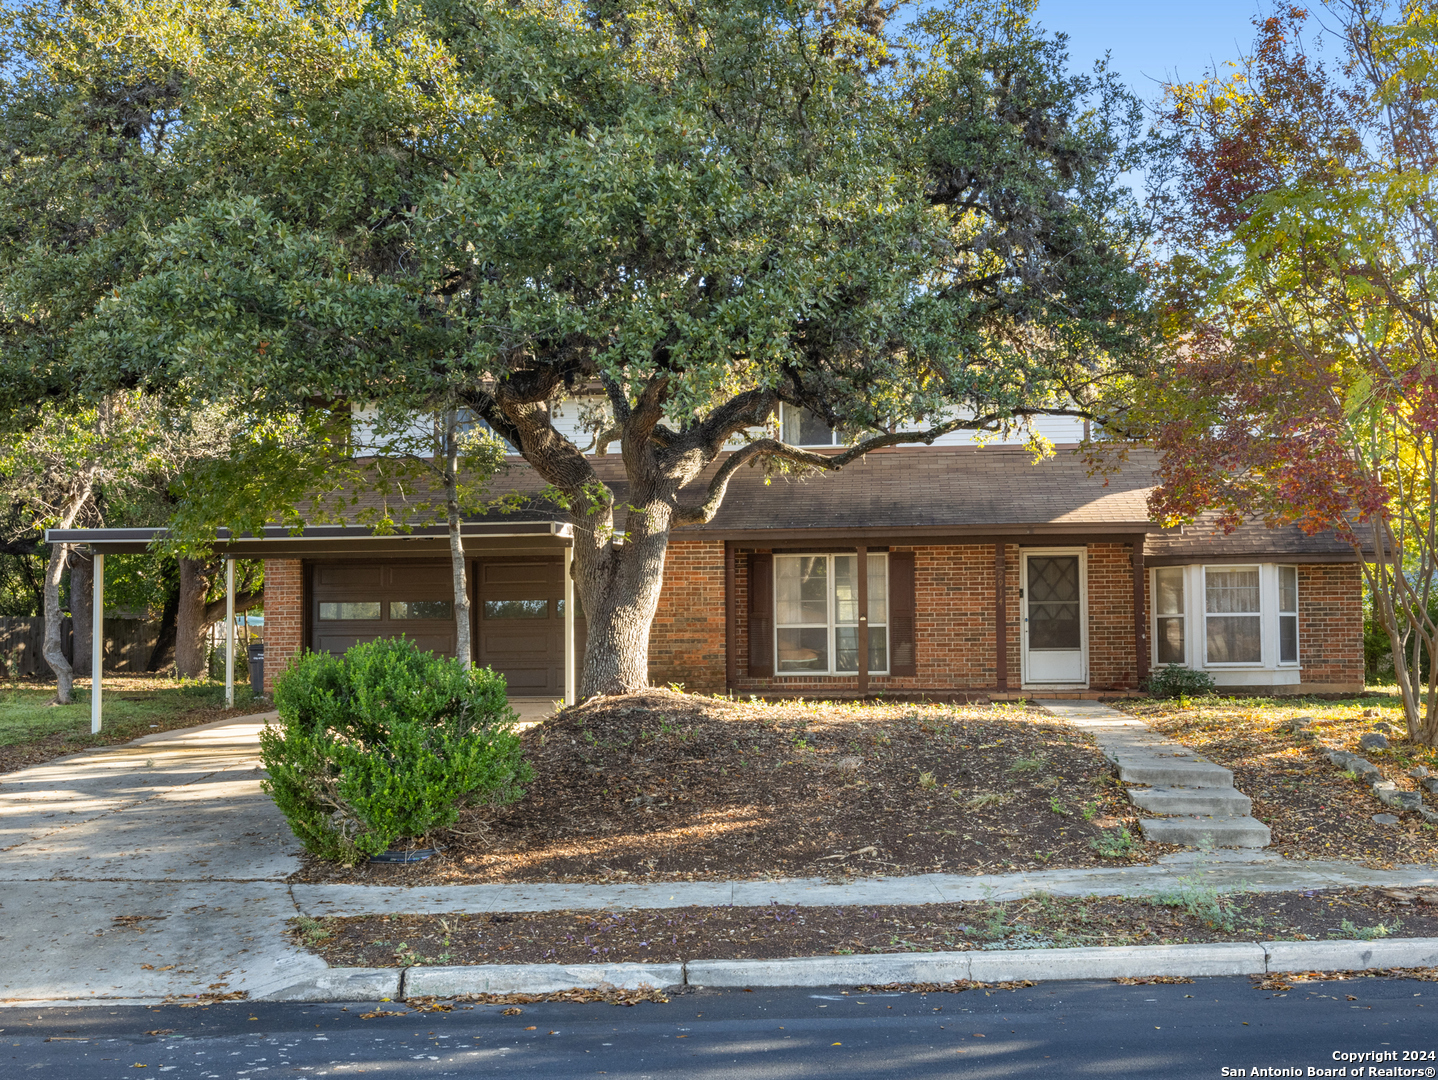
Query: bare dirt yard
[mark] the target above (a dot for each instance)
(668, 786)
(1312, 807)
(1188, 915)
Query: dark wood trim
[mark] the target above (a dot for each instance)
(861, 572)
(730, 617)
(825, 549)
(1140, 621)
(903, 616)
(1248, 559)
(471, 583)
(1001, 615)
(820, 541)
(307, 597)
(1067, 534)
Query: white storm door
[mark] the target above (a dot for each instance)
(1053, 632)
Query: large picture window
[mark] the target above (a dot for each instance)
(816, 614)
(1233, 615)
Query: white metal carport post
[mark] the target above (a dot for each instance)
(229, 633)
(97, 639)
(568, 625)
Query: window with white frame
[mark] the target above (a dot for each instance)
(816, 614)
(1288, 614)
(1170, 632)
(800, 427)
(1233, 615)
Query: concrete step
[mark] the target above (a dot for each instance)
(1245, 832)
(1172, 772)
(1215, 801)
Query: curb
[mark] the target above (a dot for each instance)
(1008, 965)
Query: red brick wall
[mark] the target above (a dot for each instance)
(1330, 627)
(284, 616)
(686, 640)
(957, 647)
(1112, 656)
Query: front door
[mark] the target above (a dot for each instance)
(1053, 632)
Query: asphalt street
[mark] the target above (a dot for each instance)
(1082, 1029)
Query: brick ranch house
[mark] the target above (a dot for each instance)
(987, 576)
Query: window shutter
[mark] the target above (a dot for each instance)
(903, 655)
(761, 615)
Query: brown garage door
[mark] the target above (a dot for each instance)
(521, 623)
(353, 602)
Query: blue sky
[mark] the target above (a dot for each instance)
(1154, 39)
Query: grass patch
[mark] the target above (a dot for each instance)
(32, 730)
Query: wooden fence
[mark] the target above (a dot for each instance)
(128, 644)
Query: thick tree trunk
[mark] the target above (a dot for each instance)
(619, 586)
(82, 598)
(190, 618)
(54, 645)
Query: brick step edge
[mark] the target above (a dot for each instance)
(1039, 965)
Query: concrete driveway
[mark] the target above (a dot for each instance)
(147, 870)
(153, 869)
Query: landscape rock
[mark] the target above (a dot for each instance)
(1428, 815)
(1389, 795)
(1373, 740)
(1418, 772)
(1364, 769)
(1431, 784)
(1385, 819)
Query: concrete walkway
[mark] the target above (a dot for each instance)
(158, 869)
(1196, 800)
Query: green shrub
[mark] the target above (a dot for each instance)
(1114, 845)
(1177, 681)
(386, 742)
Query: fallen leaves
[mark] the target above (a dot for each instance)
(1153, 980)
(603, 994)
(673, 787)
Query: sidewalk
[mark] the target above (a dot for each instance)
(159, 869)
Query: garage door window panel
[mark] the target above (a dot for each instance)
(348, 611)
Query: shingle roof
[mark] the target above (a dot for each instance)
(962, 489)
(1203, 539)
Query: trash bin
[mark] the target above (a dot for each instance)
(257, 667)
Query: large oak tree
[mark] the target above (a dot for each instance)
(702, 208)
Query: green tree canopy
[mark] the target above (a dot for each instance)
(704, 209)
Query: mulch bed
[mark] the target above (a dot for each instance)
(1313, 810)
(722, 933)
(667, 786)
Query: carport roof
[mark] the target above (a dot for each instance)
(277, 541)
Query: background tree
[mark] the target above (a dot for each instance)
(706, 209)
(1304, 310)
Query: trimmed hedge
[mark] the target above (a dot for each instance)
(386, 742)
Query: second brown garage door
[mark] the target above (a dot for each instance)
(521, 624)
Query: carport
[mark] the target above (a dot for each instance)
(338, 558)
